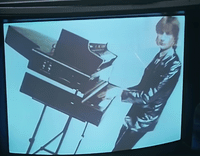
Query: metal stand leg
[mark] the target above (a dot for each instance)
(31, 140)
(83, 134)
(64, 132)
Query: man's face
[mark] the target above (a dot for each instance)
(165, 41)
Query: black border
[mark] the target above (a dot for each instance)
(191, 61)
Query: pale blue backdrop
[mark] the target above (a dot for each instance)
(133, 40)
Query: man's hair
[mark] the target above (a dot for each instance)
(169, 25)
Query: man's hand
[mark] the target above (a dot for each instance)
(110, 94)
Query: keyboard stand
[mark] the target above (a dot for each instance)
(63, 133)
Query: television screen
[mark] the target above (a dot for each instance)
(96, 85)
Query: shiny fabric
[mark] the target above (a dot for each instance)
(127, 139)
(148, 98)
(151, 94)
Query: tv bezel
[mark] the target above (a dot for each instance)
(191, 79)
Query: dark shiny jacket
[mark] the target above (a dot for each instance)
(151, 94)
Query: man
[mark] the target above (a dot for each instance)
(149, 97)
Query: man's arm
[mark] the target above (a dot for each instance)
(164, 89)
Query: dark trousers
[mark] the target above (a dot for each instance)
(127, 139)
